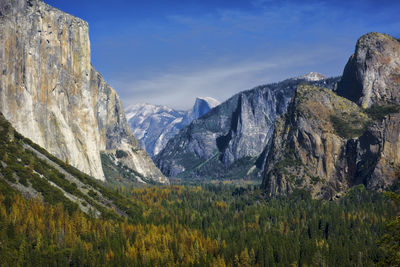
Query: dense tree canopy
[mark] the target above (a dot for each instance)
(198, 226)
(390, 242)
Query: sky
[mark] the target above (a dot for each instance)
(168, 52)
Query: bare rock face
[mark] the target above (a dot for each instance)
(51, 94)
(326, 143)
(386, 148)
(203, 105)
(237, 128)
(231, 140)
(372, 79)
(310, 150)
(372, 74)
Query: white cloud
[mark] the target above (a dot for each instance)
(178, 89)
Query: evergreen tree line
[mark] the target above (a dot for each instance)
(199, 226)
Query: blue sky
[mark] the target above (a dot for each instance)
(169, 52)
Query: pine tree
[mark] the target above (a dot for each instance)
(5, 157)
(252, 256)
(244, 258)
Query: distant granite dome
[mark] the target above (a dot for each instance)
(203, 105)
(154, 125)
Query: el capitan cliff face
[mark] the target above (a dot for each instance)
(51, 94)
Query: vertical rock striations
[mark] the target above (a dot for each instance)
(51, 94)
(313, 146)
(231, 140)
(203, 105)
(376, 73)
(372, 74)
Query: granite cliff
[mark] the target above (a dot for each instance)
(372, 74)
(231, 140)
(202, 105)
(51, 93)
(328, 142)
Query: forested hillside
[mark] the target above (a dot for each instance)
(197, 226)
(214, 226)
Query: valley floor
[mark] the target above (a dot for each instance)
(209, 225)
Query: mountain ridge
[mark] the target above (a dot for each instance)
(154, 125)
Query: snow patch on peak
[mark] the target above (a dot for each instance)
(154, 125)
(145, 109)
(212, 102)
(311, 76)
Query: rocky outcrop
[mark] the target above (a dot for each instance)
(313, 146)
(231, 140)
(326, 143)
(154, 125)
(372, 74)
(51, 94)
(115, 133)
(374, 70)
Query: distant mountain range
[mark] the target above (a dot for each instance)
(154, 125)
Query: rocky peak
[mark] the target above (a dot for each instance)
(326, 143)
(203, 105)
(372, 74)
(143, 110)
(154, 125)
(312, 77)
